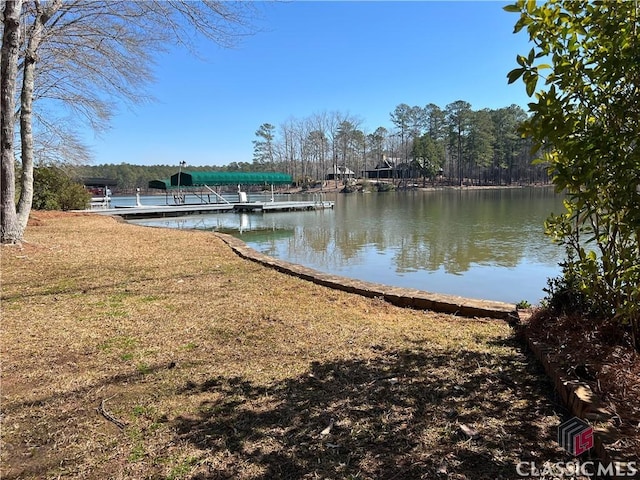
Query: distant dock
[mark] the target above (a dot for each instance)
(288, 206)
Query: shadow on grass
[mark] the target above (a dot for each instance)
(400, 414)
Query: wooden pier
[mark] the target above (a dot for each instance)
(289, 206)
(160, 211)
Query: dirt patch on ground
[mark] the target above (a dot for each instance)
(132, 352)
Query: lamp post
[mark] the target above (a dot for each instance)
(182, 164)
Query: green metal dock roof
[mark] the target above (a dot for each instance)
(160, 184)
(194, 179)
(230, 178)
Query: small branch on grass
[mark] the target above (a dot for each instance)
(105, 413)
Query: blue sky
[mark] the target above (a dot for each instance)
(359, 58)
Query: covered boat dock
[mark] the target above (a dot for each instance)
(201, 185)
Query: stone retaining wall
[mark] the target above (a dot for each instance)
(583, 403)
(404, 297)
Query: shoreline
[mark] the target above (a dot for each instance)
(339, 188)
(402, 297)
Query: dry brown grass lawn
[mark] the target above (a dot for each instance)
(221, 368)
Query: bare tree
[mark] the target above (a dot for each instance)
(8, 74)
(289, 147)
(87, 56)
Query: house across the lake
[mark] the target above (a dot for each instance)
(339, 172)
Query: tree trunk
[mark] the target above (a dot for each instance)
(10, 231)
(26, 110)
(26, 120)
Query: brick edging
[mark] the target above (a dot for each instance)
(581, 401)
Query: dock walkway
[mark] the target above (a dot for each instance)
(155, 211)
(288, 206)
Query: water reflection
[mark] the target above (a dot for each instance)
(476, 243)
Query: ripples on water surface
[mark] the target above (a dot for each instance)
(474, 243)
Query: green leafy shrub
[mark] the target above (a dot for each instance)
(53, 189)
(587, 122)
(564, 296)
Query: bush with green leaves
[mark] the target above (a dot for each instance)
(53, 189)
(586, 120)
(564, 295)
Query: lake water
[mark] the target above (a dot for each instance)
(485, 243)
